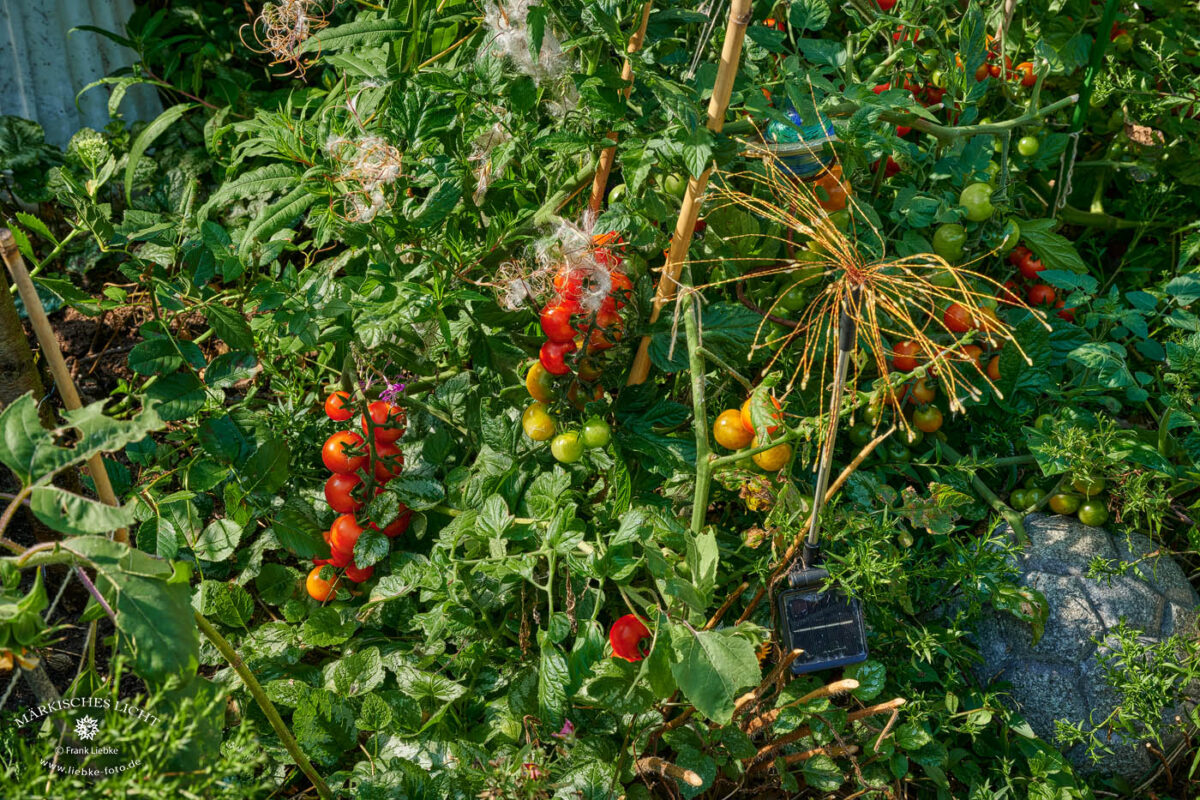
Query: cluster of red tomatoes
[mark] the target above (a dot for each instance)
(351, 457)
(568, 324)
(1038, 294)
(1022, 72)
(734, 430)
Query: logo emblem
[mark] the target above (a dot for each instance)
(87, 727)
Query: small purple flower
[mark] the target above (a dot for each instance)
(567, 732)
(392, 392)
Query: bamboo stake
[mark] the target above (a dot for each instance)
(731, 53)
(609, 154)
(828, 690)
(656, 765)
(54, 358)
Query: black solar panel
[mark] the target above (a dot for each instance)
(827, 626)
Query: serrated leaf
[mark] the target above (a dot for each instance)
(712, 668)
(297, 530)
(271, 178)
(267, 469)
(822, 774)
(361, 33)
(218, 540)
(328, 626)
(67, 512)
(357, 673)
(1053, 250)
(323, 724)
(231, 327)
(275, 218)
(371, 547)
(809, 15)
(416, 492)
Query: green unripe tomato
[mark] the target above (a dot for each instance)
(1018, 500)
(1033, 497)
(977, 200)
(992, 169)
(794, 299)
(1030, 482)
(1028, 146)
(840, 219)
(905, 538)
(1123, 44)
(616, 193)
(861, 433)
(943, 278)
(1065, 503)
(897, 452)
(1044, 423)
(596, 433)
(675, 185)
(949, 241)
(567, 447)
(1092, 513)
(1088, 487)
(911, 437)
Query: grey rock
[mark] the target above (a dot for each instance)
(1063, 677)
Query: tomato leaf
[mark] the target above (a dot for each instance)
(712, 667)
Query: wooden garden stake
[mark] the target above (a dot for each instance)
(731, 53)
(609, 154)
(54, 358)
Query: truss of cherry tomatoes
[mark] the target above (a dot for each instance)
(359, 463)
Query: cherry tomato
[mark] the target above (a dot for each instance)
(981, 72)
(1009, 293)
(538, 424)
(319, 588)
(344, 533)
(388, 421)
(922, 392)
(911, 437)
(973, 353)
(596, 433)
(1065, 503)
(568, 282)
(831, 190)
(895, 452)
(359, 574)
(1025, 72)
(337, 558)
(556, 322)
(389, 461)
(861, 433)
(1028, 146)
(622, 287)
(986, 320)
(1123, 44)
(886, 5)
(905, 358)
(794, 299)
(928, 419)
(949, 241)
(957, 318)
(1030, 266)
(1033, 496)
(553, 356)
(1041, 295)
(335, 457)
(567, 448)
(977, 200)
(336, 407)
(748, 424)
(890, 167)
(540, 384)
(1018, 500)
(675, 185)
(628, 636)
(1019, 252)
(729, 432)
(1093, 514)
(338, 491)
(1089, 487)
(993, 368)
(774, 459)
(1065, 314)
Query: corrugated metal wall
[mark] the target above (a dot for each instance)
(43, 65)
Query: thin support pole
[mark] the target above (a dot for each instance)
(54, 358)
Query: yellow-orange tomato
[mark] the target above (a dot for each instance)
(986, 320)
(831, 190)
(774, 459)
(540, 384)
(748, 424)
(973, 353)
(320, 589)
(729, 431)
(994, 368)
(922, 392)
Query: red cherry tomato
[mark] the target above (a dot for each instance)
(1019, 252)
(1067, 314)
(1010, 293)
(556, 322)
(905, 358)
(388, 419)
(622, 287)
(344, 533)
(626, 637)
(389, 461)
(359, 574)
(337, 407)
(881, 88)
(338, 493)
(553, 356)
(335, 456)
(1030, 266)
(569, 283)
(890, 167)
(886, 5)
(957, 318)
(1041, 295)
(903, 130)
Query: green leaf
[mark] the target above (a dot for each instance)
(155, 356)
(357, 673)
(155, 623)
(1053, 250)
(809, 15)
(271, 178)
(67, 512)
(371, 547)
(871, 676)
(229, 368)
(275, 218)
(361, 33)
(697, 150)
(553, 677)
(328, 626)
(822, 774)
(146, 138)
(218, 540)
(231, 327)
(374, 714)
(267, 469)
(179, 395)
(712, 667)
(298, 531)
(1185, 288)
(228, 603)
(416, 492)
(323, 724)
(276, 583)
